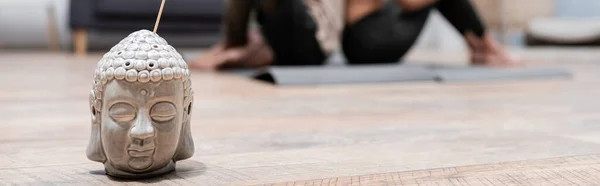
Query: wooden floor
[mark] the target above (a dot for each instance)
(542, 132)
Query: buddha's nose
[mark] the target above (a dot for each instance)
(142, 129)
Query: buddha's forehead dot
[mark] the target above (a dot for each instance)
(143, 92)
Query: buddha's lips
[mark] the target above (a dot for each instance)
(140, 153)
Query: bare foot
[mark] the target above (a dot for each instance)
(486, 52)
(255, 54)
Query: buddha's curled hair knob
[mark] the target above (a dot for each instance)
(144, 76)
(177, 72)
(120, 73)
(141, 55)
(153, 55)
(152, 64)
(110, 73)
(140, 65)
(155, 75)
(131, 75)
(167, 73)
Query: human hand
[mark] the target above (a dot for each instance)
(254, 54)
(210, 60)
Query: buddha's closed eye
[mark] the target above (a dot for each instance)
(163, 111)
(122, 112)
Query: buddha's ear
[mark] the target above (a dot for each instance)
(185, 148)
(94, 148)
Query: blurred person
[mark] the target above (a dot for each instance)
(306, 32)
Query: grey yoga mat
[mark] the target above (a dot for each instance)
(327, 75)
(472, 74)
(341, 74)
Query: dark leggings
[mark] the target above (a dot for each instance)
(383, 36)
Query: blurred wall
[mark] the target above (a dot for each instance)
(577, 8)
(29, 29)
(513, 14)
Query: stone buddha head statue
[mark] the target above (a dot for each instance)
(140, 106)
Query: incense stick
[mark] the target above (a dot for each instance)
(162, 5)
